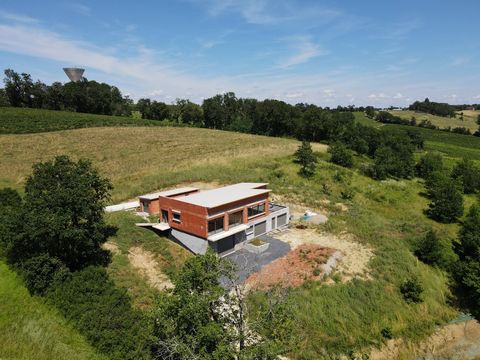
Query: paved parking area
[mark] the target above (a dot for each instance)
(248, 262)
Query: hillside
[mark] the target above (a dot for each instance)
(386, 216)
(140, 159)
(469, 119)
(30, 329)
(25, 120)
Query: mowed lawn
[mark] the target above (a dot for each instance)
(136, 159)
(468, 122)
(30, 329)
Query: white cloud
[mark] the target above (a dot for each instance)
(304, 49)
(460, 61)
(18, 18)
(81, 9)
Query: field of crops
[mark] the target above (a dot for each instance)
(26, 121)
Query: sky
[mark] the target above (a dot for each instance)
(329, 53)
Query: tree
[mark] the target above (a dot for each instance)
(429, 163)
(341, 155)
(3, 98)
(63, 214)
(306, 158)
(40, 272)
(13, 87)
(436, 251)
(10, 207)
(468, 174)
(446, 199)
(469, 236)
(187, 112)
(200, 319)
(370, 112)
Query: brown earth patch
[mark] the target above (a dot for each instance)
(145, 263)
(354, 263)
(292, 270)
(453, 341)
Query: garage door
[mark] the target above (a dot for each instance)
(260, 228)
(282, 220)
(226, 244)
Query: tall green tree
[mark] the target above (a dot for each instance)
(468, 174)
(436, 251)
(446, 199)
(306, 158)
(429, 163)
(469, 236)
(63, 214)
(341, 155)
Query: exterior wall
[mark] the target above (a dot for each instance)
(153, 206)
(192, 217)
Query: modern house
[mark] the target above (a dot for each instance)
(222, 218)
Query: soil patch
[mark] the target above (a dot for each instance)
(145, 263)
(302, 264)
(453, 341)
(354, 262)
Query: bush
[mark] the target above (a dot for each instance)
(103, 314)
(412, 290)
(341, 155)
(469, 236)
(40, 272)
(387, 333)
(435, 251)
(429, 163)
(393, 162)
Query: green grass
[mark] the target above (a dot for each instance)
(168, 255)
(442, 122)
(137, 160)
(31, 329)
(26, 121)
(386, 215)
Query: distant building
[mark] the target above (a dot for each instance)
(74, 74)
(222, 219)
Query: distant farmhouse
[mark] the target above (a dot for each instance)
(222, 219)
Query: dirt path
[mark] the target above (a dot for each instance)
(354, 263)
(454, 341)
(144, 261)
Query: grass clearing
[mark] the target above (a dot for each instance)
(137, 160)
(31, 329)
(468, 122)
(26, 121)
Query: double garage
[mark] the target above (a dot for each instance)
(271, 222)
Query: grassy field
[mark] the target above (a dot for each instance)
(469, 119)
(26, 121)
(387, 215)
(30, 329)
(137, 160)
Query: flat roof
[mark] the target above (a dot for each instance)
(168, 193)
(224, 195)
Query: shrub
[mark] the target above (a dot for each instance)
(393, 162)
(341, 155)
(387, 333)
(435, 251)
(41, 271)
(412, 290)
(103, 314)
(429, 163)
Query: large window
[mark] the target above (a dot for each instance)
(215, 225)
(235, 218)
(256, 210)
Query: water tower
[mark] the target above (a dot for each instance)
(74, 74)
